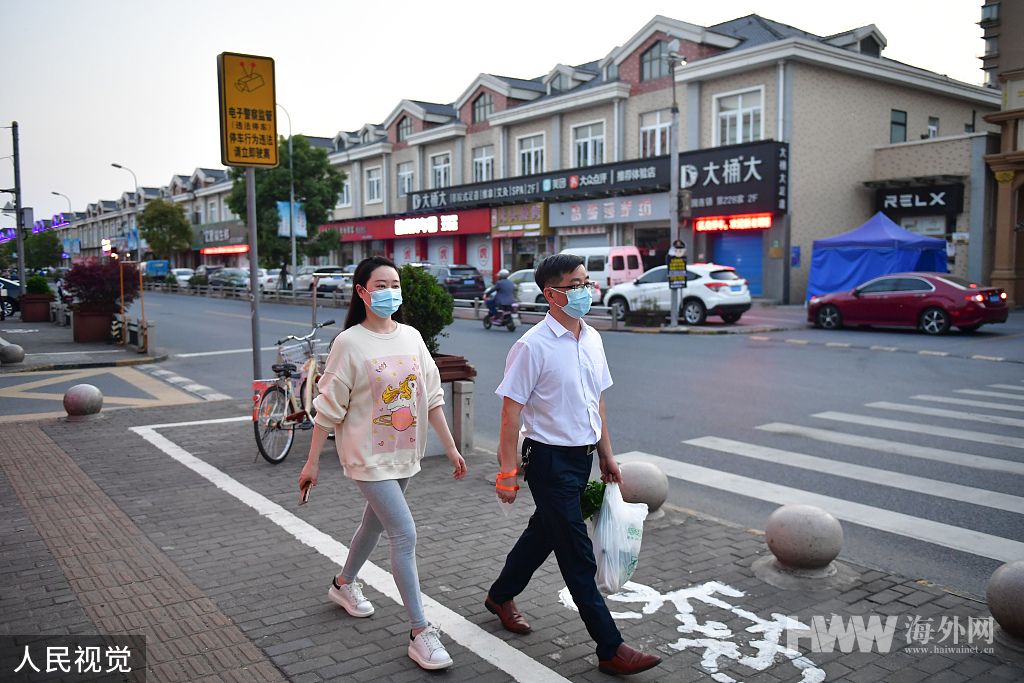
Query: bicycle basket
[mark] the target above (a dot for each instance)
(292, 353)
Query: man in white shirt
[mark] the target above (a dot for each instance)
(554, 379)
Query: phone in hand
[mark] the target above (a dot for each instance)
(305, 494)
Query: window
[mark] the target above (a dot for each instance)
(596, 263)
(653, 276)
(483, 107)
(933, 126)
(404, 128)
(898, 126)
(1020, 135)
(654, 133)
(405, 178)
(531, 155)
(211, 211)
(345, 196)
(991, 46)
(990, 12)
(559, 83)
(912, 284)
(613, 72)
(618, 263)
(483, 163)
(373, 185)
(654, 62)
(589, 142)
(441, 170)
(632, 261)
(879, 286)
(739, 117)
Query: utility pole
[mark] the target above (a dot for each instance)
(18, 217)
(673, 197)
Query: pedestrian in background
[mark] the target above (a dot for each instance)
(554, 379)
(379, 390)
(283, 283)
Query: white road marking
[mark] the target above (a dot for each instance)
(995, 358)
(1012, 387)
(873, 475)
(951, 414)
(946, 535)
(968, 402)
(917, 428)
(993, 394)
(490, 648)
(933, 353)
(221, 353)
(883, 348)
(837, 345)
(797, 341)
(908, 449)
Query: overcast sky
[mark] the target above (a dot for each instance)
(92, 82)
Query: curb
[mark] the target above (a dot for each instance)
(760, 329)
(141, 360)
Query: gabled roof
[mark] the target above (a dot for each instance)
(754, 30)
(854, 36)
(515, 88)
(322, 143)
(430, 112)
(678, 29)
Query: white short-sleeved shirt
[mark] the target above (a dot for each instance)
(558, 379)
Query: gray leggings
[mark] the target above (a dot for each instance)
(387, 509)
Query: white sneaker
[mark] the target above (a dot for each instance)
(350, 597)
(427, 651)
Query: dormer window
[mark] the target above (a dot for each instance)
(483, 107)
(654, 62)
(404, 129)
(559, 83)
(870, 47)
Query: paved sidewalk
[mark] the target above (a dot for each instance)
(52, 347)
(182, 534)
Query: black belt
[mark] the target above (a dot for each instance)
(568, 450)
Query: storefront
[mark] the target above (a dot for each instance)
(590, 223)
(521, 235)
(222, 244)
(928, 209)
(440, 238)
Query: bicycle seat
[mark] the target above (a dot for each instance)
(285, 369)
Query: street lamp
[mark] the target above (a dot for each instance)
(65, 197)
(674, 58)
(138, 201)
(291, 191)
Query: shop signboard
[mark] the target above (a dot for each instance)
(474, 221)
(520, 220)
(633, 208)
(927, 200)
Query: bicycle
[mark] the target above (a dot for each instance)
(285, 403)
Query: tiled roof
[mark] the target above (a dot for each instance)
(438, 109)
(755, 30)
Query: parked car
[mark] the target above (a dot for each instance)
(461, 281)
(931, 302)
(336, 280)
(271, 281)
(12, 288)
(228, 278)
(710, 289)
(303, 279)
(182, 275)
(527, 291)
(207, 270)
(609, 266)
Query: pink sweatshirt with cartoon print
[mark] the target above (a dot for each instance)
(375, 394)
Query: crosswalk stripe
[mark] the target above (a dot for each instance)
(968, 402)
(993, 394)
(946, 535)
(951, 414)
(962, 434)
(1012, 387)
(909, 449)
(908, 482)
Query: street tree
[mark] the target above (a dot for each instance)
(42, 250)
(164, 225)
(317, 186)
(321, 245)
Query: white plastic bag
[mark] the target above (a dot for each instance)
(617, 535)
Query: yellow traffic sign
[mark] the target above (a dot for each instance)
(248, 112)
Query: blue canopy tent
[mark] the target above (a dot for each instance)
(876, 248)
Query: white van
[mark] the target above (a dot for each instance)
(608, 266)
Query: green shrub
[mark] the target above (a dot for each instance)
(37, 285)
(170, 279)
(198, 281)
(426, 305)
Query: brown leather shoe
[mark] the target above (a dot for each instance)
(628, 661)
(510, 617)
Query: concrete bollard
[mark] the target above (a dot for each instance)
(1005, 597)
(644, 482)
(803, 536)
(83, 402)
(462, 416)
(11, 354)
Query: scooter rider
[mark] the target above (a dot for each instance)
(502, 293)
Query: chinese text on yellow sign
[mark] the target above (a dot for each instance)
(248, 117)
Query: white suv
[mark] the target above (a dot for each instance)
(710, 290)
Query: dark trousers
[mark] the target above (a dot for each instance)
(556, 479)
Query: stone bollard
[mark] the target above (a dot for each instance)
(805, 540)
(1005, 597)
(644, 482)
(83, 402)
(11, 354)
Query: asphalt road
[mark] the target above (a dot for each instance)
(745, 417)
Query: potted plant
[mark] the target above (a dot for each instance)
(35, 302)
(646, 314)
(170, 282)
(96, 287)
(428, 307)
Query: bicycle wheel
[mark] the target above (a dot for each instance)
(273, 441)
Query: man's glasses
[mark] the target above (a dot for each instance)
(576, 288)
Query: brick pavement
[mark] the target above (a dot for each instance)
(104, 533)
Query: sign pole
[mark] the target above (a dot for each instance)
(673, 196)
(254, 277)
(19, 218)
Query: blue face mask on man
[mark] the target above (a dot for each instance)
(384, 302)
(578, 304)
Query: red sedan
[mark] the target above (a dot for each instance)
(931, 302)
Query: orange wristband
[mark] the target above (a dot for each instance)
(506, 475)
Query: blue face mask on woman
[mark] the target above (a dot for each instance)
(578, 304)
(384, 302)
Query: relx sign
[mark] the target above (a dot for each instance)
(935, 199)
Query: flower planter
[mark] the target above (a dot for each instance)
(35, 308)
(645, 318)
(453, 368)
(92, 326)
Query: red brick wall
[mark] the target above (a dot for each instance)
(501, 103)
(630, 69)
(417, 126)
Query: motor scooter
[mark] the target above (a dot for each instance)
(505, 317)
